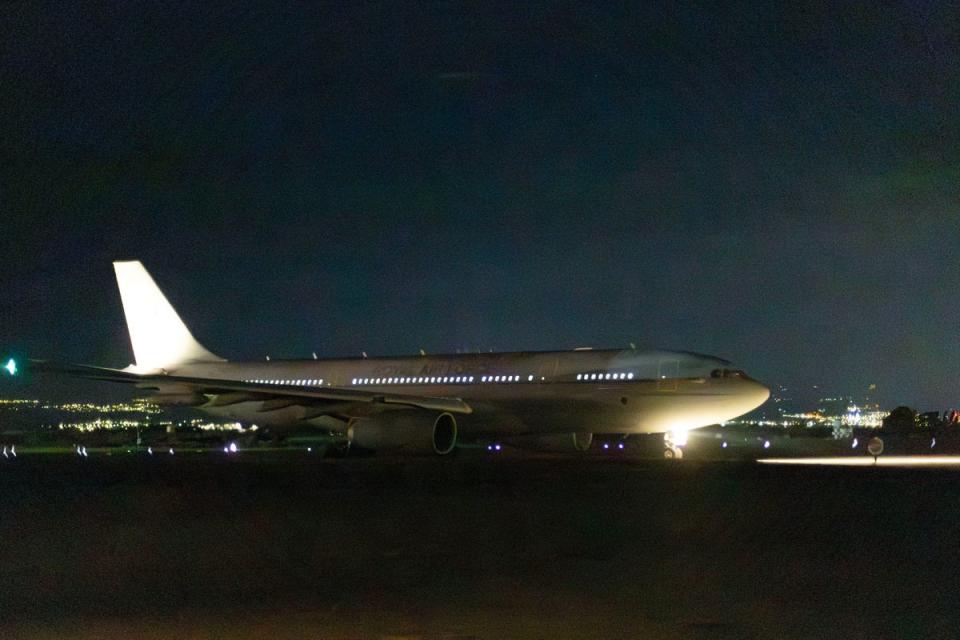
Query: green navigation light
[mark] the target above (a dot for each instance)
(11, 367)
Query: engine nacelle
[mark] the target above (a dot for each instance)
(554, 442)
(409, 430)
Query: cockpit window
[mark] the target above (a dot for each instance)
(727, 373)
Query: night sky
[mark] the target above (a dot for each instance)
(778, 186)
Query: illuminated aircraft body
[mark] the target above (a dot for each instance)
(542, 400)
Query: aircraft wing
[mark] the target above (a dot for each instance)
(235, 391)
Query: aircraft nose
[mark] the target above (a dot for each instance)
(756, 393)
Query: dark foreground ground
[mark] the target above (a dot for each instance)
(291, 546)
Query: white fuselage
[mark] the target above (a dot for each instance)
(518, 393)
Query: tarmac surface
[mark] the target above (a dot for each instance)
(287, 545)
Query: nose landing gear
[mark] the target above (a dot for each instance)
(671, 449)
(673, 453)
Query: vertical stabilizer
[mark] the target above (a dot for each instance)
(158, 335)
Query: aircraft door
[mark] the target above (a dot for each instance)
(667, 374)
(548, 369)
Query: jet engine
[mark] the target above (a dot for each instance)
(416, 431)
(554, 442)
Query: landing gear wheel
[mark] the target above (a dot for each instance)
(673, 453)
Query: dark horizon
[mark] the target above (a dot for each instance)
(777, 186)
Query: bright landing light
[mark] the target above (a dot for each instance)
(11, 367)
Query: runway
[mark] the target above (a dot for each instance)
(291, 546)
(869, 461)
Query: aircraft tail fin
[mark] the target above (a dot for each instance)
(159, 337)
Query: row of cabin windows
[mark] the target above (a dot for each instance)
(422, 380)
(315, 382)
(589, 377)
(469, 379)
(438, 380)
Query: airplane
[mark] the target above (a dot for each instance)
(547, 401)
